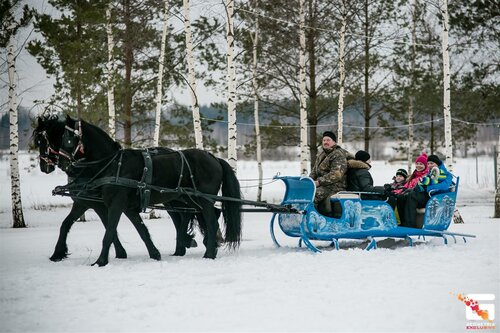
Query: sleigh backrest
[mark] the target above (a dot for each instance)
(440, 208)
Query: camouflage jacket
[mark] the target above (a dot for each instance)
(330, 169)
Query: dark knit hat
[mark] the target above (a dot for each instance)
(435, 159)
(330, 135)
(362, 156)
(402, 172)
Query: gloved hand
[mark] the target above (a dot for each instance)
(434, 174)
(388, 190)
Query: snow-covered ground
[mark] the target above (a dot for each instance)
(256, 288)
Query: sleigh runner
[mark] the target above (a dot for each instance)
(357, 218)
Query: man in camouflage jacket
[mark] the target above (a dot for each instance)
(329, 171)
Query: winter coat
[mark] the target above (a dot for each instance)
(395, 186)
(330, 171)
(359, 178)
(441, 183)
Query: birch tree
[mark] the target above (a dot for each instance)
(412, 85)
(10, 26)
(497, 193)
(159, 88)
(231, 86)
(110, 68)
(192, 76)
(304, 148)
(340, 109)
(255, 85)
(17, 207)
(15, 183)
(446, 86)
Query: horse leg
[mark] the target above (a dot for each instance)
(61, 249)
(183, 238)
(209, 221)
(143, 231)
(115, 209)
(103, 215)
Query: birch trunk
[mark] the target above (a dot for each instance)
(366, 78)
(412, 88)
(340, 118)
(497, 193)
(110, 67)
(304, 148)
(256, 104)
(446, 88)
(17, 207)
(159, 90)
(231, 77)
(128, 61)
(446, 99)
(198, 134)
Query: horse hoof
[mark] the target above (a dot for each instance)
(58, 257)
(179, 252)
(121, 256)
(100, 263)
(155, 255)
(210, 255)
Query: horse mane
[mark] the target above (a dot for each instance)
(101, 133)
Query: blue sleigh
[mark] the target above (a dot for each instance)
(359, 218)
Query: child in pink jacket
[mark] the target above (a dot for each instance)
(419, 172)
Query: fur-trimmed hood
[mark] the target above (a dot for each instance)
(356, 164)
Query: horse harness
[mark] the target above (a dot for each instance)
(50, 156)
(87, 189)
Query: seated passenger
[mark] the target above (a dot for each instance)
(359, 178)
(399, 180)
(398, 185)
(329, 172)
(437, 179)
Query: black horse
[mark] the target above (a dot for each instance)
(47, 138)
(188, 173)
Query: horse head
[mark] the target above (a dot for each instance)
(47, 138)
(82, 140)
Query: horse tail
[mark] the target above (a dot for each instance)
(231, 210)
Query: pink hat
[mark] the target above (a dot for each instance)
(422, 159)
